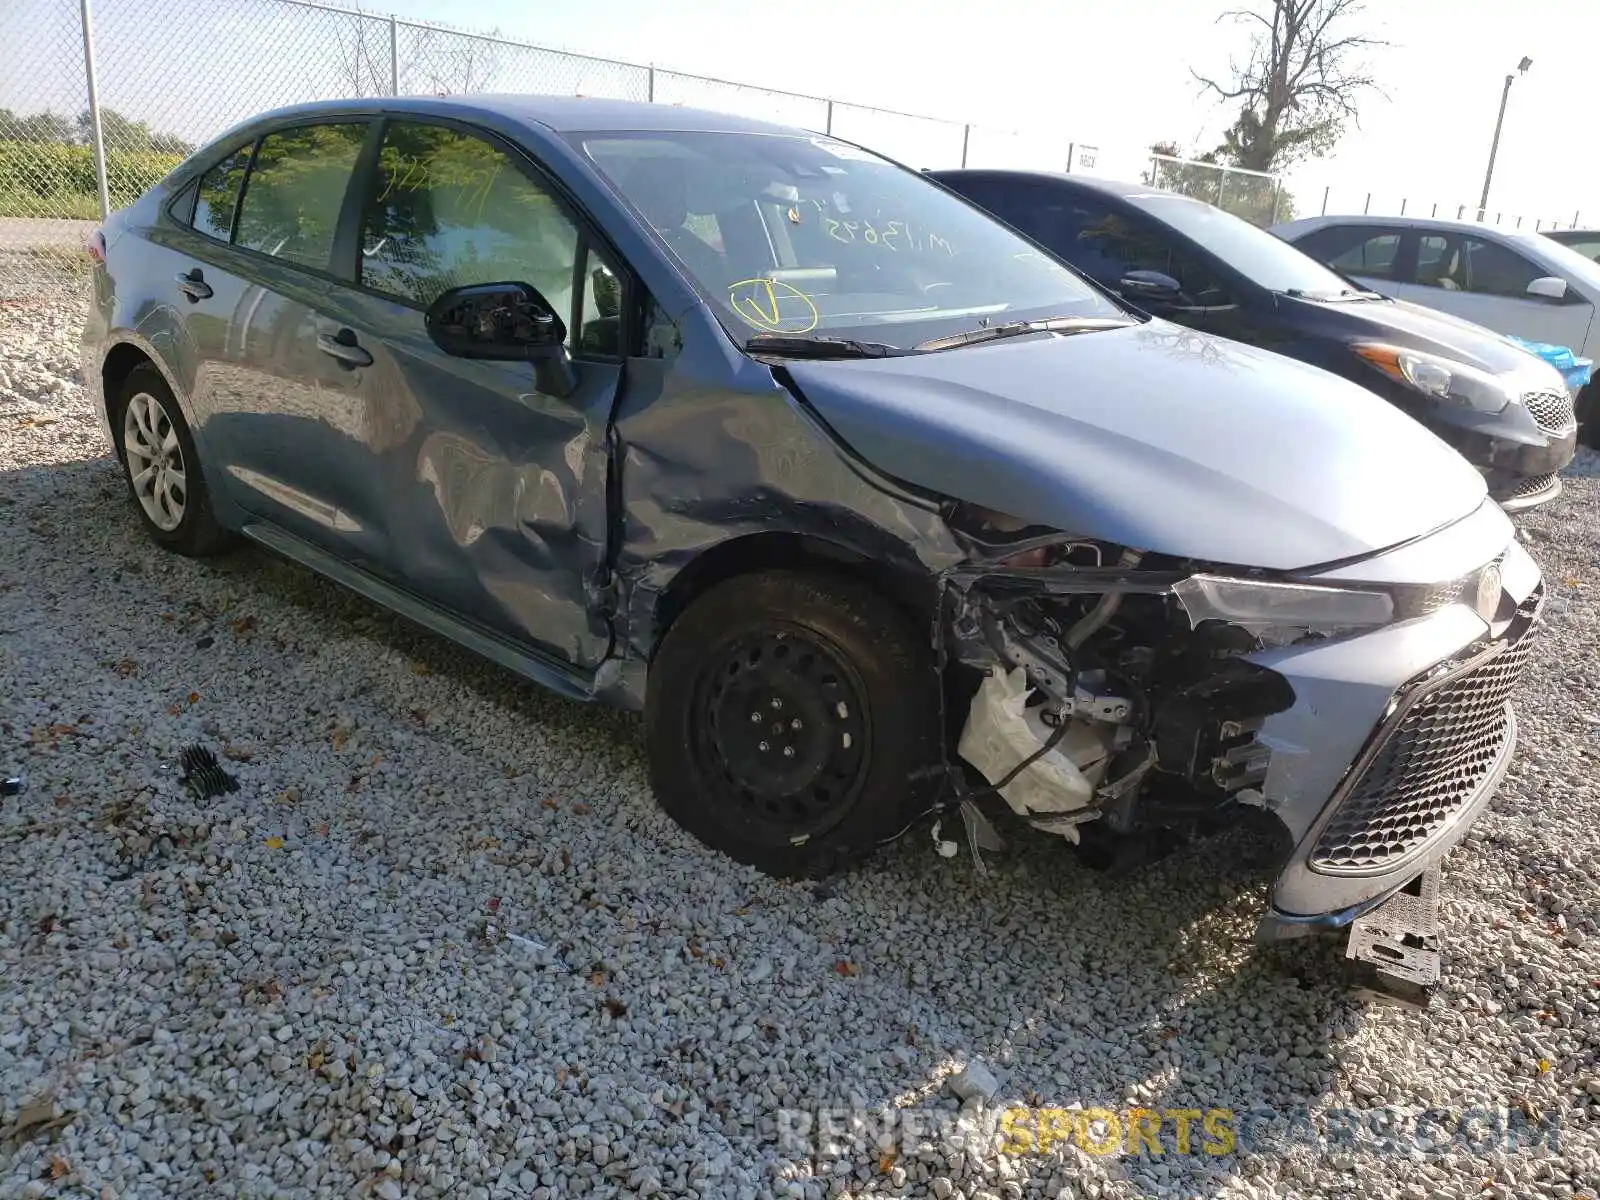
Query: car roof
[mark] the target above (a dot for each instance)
(563, 114)
(1091, 183)
(1441, 223)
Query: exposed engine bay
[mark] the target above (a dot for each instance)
(1110, 693)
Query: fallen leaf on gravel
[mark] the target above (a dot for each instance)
(60, 1168)
(274, 843)
(421, 669)
(339, 737)
(547, 803)
(886, 1162)
(844, 967)
(616, 1008)
(242, 625)
(581, 809)
(35, 1119)
(237, 753)
(1544, 1065)
(194, 697)
(125, 667)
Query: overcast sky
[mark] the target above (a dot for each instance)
(1113, 73)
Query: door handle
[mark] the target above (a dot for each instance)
(193, 285)
(344, 347)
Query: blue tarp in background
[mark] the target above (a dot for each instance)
(1577, 370)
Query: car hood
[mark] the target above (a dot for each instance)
(1417, 328)
(1155, 437)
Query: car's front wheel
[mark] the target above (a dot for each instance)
(162, 466)
(792, 721)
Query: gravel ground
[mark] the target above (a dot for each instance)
(440, 941)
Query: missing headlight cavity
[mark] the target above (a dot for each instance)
(1128, 711)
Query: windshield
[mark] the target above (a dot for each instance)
(805, 236)
(1259, 256)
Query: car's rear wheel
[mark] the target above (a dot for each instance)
(162, 466)
(792, 721)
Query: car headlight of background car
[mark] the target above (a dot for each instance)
(1441, 378)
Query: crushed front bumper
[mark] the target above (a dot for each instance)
(1397, 738)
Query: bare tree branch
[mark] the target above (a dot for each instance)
(1304, 77)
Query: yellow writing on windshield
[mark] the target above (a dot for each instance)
(773, 306)
(887, 235)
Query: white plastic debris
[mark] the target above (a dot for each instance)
(943, 845)
(1001, 732)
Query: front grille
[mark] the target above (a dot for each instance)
(1552, 411)
(1429, 761)
(1532, 486)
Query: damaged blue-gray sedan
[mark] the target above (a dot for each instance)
(871, 506)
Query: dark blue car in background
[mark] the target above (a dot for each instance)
(828, 472)
(1191, 262)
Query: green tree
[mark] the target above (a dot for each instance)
(1300, 84)
(123, 133)
(41, 127)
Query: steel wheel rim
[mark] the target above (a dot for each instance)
(156, 466)
(780, 731)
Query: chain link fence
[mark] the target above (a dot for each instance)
(1257, 196)
(99, 100)
(1343, 198)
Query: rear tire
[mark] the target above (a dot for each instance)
(162, 467)
(792, 721)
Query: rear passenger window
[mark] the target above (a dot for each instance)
(1374, 256)
(450, 210)
(1354, 249)
(295, 190)
(219, 192)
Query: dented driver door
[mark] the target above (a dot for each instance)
(497, 491)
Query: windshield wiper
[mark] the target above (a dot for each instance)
(799, 346)
(989, 333)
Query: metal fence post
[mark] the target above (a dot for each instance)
(394, 56)
(1325, 193)
(1367, 207)
(828, 128)
(1222, 188)
(650, 84)
(966, 135)
(96, 134)
(1402, 206)
(1575, 218)
(1072, 153)
(1435, 209)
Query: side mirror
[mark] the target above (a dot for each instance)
(508, 322)
(1548, 287)
(1151, 286)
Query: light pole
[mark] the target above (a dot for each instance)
(1494, 146)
